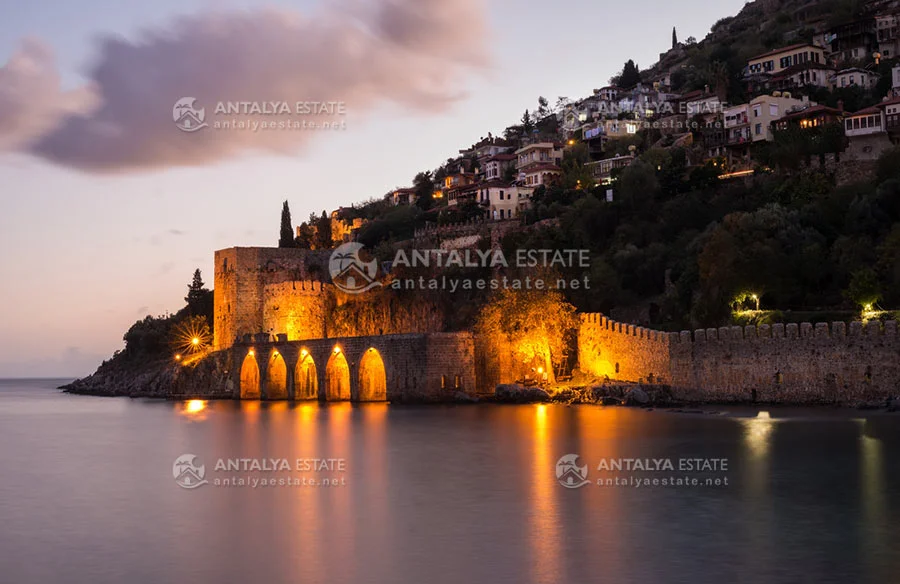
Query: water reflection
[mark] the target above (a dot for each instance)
(544, 530)
(874, 503)
(194, 409)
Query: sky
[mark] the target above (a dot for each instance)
(106, 208)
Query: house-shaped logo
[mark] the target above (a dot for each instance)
(569, 474)
(189, 472)
(349, 272)
(187, 117)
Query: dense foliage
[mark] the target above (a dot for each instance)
(688, 246)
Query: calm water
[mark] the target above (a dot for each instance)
(439, 494)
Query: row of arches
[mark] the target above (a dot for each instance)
(372, 377)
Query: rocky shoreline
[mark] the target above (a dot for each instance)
(210, 378)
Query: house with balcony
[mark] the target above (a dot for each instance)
(602, 170)
(891, 110)
(538, 164)
(406, 196)
(852, 41)
(808, 74)
(608, 93)
(736, 123)
(814, 116)
(455, 186)
(762, 68)
(855, 76)
(887, 34)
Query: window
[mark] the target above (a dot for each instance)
(855, 123)
(849, 124)
(758, 129)
(773, 109)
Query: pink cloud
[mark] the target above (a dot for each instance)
(414, 54)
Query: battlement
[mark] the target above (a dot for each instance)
(802, 363)
(805, 330)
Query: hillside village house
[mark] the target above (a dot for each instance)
(803, 75)
(503, 200)
(895, 80)
(777, 61)
(888, 35)
(496, 166)
(852, 41)
(457, 186)
(602, 169)
(867, 135)
(403, 197)
(538, 164)
(766, 109)
(487, 147)
(737, 135)
(814, 116)
(855, 76)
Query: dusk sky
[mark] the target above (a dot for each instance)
(107, 208)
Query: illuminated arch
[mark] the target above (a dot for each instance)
(306, 381)
(372, 377)
(337, 377)
(250, 377)
(276, 377)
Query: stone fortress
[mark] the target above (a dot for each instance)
(283, 331)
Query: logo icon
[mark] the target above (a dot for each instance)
(569, 474)
(189, 472)
(349, 273)
(187, 117)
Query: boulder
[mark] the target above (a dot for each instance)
(464, 398)
(636, 397)
(517, 394)
(610, 401)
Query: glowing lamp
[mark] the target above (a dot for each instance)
(195, 341)
(337, 350)
(251, 352)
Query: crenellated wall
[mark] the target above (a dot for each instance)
(241, 275)
(607, 348)
(791, 363)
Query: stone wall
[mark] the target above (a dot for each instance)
(822, 363)
(281, 291)
(241, 275)
(607, 348)
(418, 367)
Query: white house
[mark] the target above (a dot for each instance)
(496, 165)
(855, 76)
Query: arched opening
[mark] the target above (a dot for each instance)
(250, 377)
(372, 377)
(306, 382)
(276, 377)
(337, 377)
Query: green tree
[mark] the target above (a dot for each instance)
(286, 235)
(527, 124)
(424, 185)
(629, 77)
(322, 239)
(534, 323)
(864, 288)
